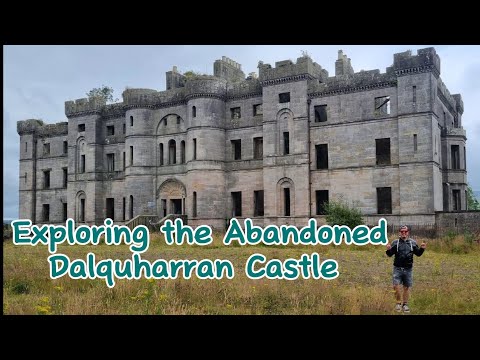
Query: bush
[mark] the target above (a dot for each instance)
(341, 213)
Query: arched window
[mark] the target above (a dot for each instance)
(182, 152)
(80, 207)
(285, 197)
(194, 111)
(172, 152)
(161, 155)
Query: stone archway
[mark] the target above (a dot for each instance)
(171, 198)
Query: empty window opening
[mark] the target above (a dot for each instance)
(257, 109)
(131, 206)
(82, 163)
(46, 212)
(110, 162)
(382, 151)
(65, 213)
(65, 177)
(182, 152)
(65, 147)
(456, 200)
(110, 130)
(322, 156)
(172, 152)
(124, 129)
(131, 120)
(124, 163)
(178, 120)
(81, 127)
(110, 208)
(286, 143)
(161, 155)
(26, 178)
(322, 201)
(384, 200)
(82, 210)
(123, 209)
(166, 121)
(382, 105)
(194, 204)
(258, 148)
(131, 155)
(26, 147)
(237, 149)
(236, 203)
(176, 206)
(194, 111)
(414, 95)
(194, 149)
(235, 113)
(320, 113)
(286, 196)
(164, 207)
(455, 156)
(46, 179)
(46, 149)
(284, 97)
(415, 143)
(258, 203)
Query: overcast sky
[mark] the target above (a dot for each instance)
(39, 79)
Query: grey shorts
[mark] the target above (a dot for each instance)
(402, 276)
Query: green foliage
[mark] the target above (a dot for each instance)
(473, 203)
(103, 92)
(341, 213)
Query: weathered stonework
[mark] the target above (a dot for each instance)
(161, 152)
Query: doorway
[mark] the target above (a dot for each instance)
(176, 206)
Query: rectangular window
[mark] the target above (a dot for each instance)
(26, 178)
(257, 109)
(161, 155)
(384, 200)
(124, 165)
(82, 164)
(46, 149)
(455, 157)
(194, 149)
(164, 207)
(320, 113)
(178, 120)
(383, 151)
(286, 198)
(46, 179)
(124, 129)
(131, 155)
(235, 113)
(26, 147)
(124, 208)
(286, 143)
(284, 97)
(382, 105)
(258, 148)
(131, 120)
(110, 130)
(46, 212)
(322, 200)
(258, 203)
(456, 200)
(65, 147)
(65, 177)
(414, 95)
(110, 208)
(322, 156)
(194, 204)
(110, 162)
(237, 149)
(65, 213)
(82, 210)
(81, 127)
(415, 142)
(236, 203)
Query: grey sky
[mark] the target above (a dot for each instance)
(39, 79)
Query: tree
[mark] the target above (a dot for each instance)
(472, 201)
(103, 92)
(341, 213)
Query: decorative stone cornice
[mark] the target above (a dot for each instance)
(348, 90)
(287, 79)
(243, 96)
(84, 113)
(205, 95)
(418, 69)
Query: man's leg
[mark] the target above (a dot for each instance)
(398, 293)
(406, 294)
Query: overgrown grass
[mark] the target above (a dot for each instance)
(446, 281)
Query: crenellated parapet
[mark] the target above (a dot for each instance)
(446, 98)
(228, 69)
(113, 111)
(426, 60)
(148, 98)
(286, 71)
(38, 127)
(84, 106)
(245, 89)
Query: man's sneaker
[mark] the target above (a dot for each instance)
(398, 307)
(406, 309)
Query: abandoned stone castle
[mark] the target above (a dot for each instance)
(274, 147)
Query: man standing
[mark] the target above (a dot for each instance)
(403, 249)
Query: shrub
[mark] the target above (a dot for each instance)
(341, 213)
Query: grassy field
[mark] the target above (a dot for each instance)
(446, 281)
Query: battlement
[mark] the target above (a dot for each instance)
(459, 103)
(286, 70)
(446, 97)
(38, 127)
(425, 60)
(84, 105)
(244, 89)
(228, 69)
(150, 98)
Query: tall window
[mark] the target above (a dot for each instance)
(258, 148)
(65, 177)
(123, 209)
(456, 200)
(124, 164)
(82, 163)
(415, 143)
(46, 179)
(383, 151)
(131, 120)
(46, 149)
(414, 95)
(46, 212)
(131, 155)
(161, 155)
(182, 152)
(236, 203)
(65, 147)
(110, 205)
(384, 200)
(82, 210)
(110, 162)
(321, 200)
(65, 216)
(320, 113)
(172, 152)
(258, 203)
(194, 149)
(131, 206)
(237, 149)
(322, 156)
(286, 193)
(110, 130)
(194, 204)
(194, 111)
(26, 146)
(455, 157)
(286, 143)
